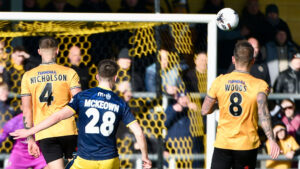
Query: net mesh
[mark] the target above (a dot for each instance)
(172, 44)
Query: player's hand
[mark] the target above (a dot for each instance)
(33, 148)
(21, 133)
(275, 150)
(147, 164)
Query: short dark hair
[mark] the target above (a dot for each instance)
(48, 42)
(108, 68)
(243, 52)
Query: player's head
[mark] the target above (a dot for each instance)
(107, 71)
(3, 92)
(243, 54)
(74, 55)
(48, 46)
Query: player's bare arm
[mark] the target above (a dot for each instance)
(33, 149)
(139, 135)
(265, 121)
(64, 113)
(208, 105)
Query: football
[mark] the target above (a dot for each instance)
(227, 19)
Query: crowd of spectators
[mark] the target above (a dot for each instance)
(277, 61)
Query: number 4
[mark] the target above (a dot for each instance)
(46, 95)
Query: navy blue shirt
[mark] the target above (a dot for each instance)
(99, 113)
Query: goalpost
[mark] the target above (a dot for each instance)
(208, 19)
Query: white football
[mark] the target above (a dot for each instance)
(227, 19)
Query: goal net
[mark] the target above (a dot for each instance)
(163, 73)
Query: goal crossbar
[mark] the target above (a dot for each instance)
(210, 19)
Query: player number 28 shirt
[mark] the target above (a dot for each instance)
(99, 113)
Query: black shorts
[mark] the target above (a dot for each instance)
(235, 159)
(58, 147)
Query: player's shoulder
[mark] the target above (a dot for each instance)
(220, 77)
(258, 81)
(64, 68)
(86, 92)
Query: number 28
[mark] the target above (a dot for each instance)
(107, 126)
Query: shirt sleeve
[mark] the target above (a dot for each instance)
(295, 145)
(127, 116)
(212, 92)
(74, 83)
(74, 103)
(264, 88)
(25, 89)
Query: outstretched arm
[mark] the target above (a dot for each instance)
(33, 149)
(265, 120)
(64, 113)
(208, 105)
(139, 135)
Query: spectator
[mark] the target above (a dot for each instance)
(4, 5)
(178, 126)
(125, 90)
(133, 6)
(288, 147)
(15, 69)
(259, 69)
(171, 78)
(212, 6)
(149, 5)
(82, 71)
(272, 14)
(288, 80)
(195, 79)
(255, 21)
(126, 73)
(3, 56)
(278, 54)
(6, 110)
(94, 6)
(59, 6)
(290, 118)
(30, 6)
(180, 7)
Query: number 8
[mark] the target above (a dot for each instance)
(107, 126)
(236, 100)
